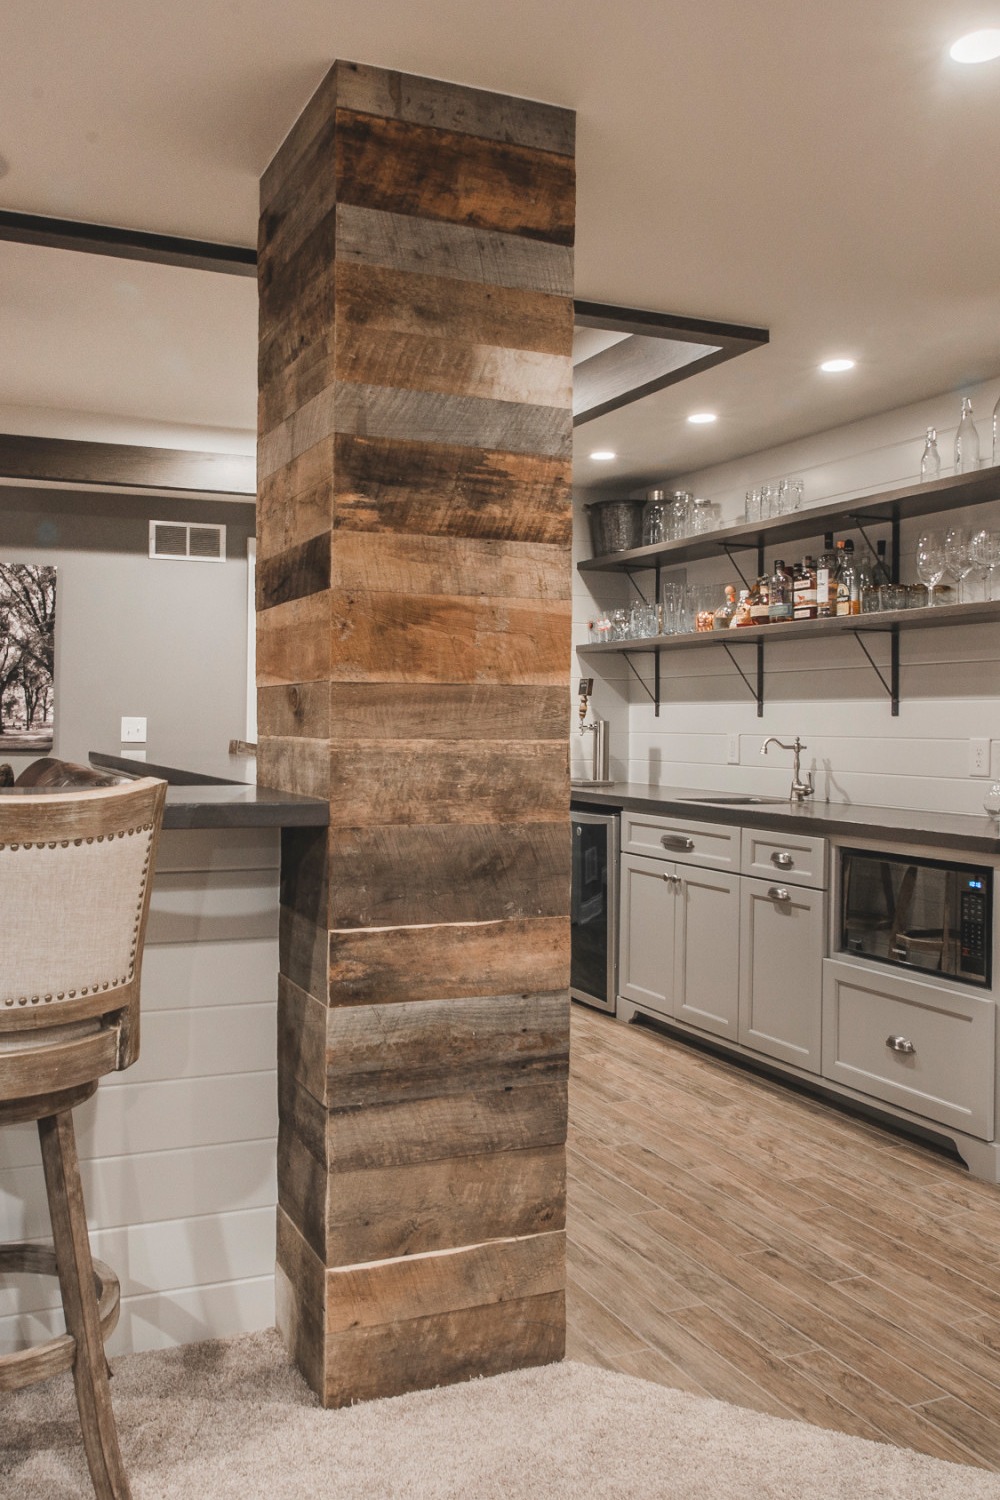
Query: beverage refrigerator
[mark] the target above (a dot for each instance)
(594, 909)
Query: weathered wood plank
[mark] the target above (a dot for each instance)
(295, 500)
(427, 416)
(417, 638)
(433, 1051)
(416, 362)
(287, 163)
(447, 490)
(398, 1290)
(370, 236)
(512, 1117)
(480, 568)
(299, 1296)
(438, 174)
(294, 641)
(295, 765)
(425, 711)
(375, 299)
(294, 710)
(302, 570)
(309, 425)
(402, 875)
(444, 1349)
(440, 782)
(448, 106)
(433, 963)
(304, 952)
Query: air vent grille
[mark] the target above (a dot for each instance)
(179, 541)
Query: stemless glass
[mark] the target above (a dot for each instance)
(957, 559)
(930, 562)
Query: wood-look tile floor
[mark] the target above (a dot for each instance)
(733, 1238)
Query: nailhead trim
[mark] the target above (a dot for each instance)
(98, 985)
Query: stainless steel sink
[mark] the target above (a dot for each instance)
(734, 801)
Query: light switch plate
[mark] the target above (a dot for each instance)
(133, 731)
(979, 757)
(732, 749)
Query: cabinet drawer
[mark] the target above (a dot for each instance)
(795, 859)
(711, 845)
(948, 1075)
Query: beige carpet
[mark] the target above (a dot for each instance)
(229, 1420)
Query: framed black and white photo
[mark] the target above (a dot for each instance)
(27, 651)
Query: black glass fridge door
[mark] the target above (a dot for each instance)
(589, 915)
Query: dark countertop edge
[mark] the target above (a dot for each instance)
(830, 819)
(195, 801)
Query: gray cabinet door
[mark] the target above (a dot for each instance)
(781, 978)
(649, 897)
(707, 950)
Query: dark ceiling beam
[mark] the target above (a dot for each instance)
(128, 244)
(42, 460)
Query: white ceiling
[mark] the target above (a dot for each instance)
(822, 170)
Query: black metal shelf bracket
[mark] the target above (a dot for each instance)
(630, 575)
(756, 691)
(654, 698)
(892, 686)
(727, 548)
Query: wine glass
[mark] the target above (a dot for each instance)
(930, 561)
(984, 551)
(958, 561)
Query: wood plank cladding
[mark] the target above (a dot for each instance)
(413, 599)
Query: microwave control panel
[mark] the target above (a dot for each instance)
(972, 927)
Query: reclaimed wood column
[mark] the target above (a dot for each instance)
(413, 657)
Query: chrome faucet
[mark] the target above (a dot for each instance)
(800, 789)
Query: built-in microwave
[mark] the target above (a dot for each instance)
(918, 913)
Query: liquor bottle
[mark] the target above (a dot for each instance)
(848, 586)
(826, 579)
(780, 604)
(930, 459)
(741, 614)
(880, 572)
(724, 614)
(759, 599)
(804, 590)
(966, 441)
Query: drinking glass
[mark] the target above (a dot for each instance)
(957, 559)
(930, 561)
(753, 506)
(984, 550)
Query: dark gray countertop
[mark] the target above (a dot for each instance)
(839, 819)
(217, 791)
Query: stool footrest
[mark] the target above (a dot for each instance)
(26, 1366)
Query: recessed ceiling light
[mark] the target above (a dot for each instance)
(699, 418)
(835, 366)
(603, 456)
(976, 47)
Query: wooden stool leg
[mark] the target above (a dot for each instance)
(76, 1278)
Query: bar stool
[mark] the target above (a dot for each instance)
(75, 874)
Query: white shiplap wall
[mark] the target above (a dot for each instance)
(825, 692)
(178, 1153)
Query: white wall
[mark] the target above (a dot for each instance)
(824, 691)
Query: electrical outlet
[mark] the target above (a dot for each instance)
(732, 749)
(133, 731)
(979, 757)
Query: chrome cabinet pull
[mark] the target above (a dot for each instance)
(677, 841)
(779, 893)
(784, 859)
(672, 879)
(900, 1044)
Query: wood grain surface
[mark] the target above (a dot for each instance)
(771, 1250)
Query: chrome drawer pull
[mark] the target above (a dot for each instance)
(677, 841)
(672, 879)
(900, 1044)
(779, 893)
(784, 859)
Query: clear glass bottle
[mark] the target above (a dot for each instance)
(759, 596)
(826, 579)
(966, 441)
(930, 459)
(741, 614)
(848, 587)
(780, 605)
(725, 612)
(991, 802)
(804, 590)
